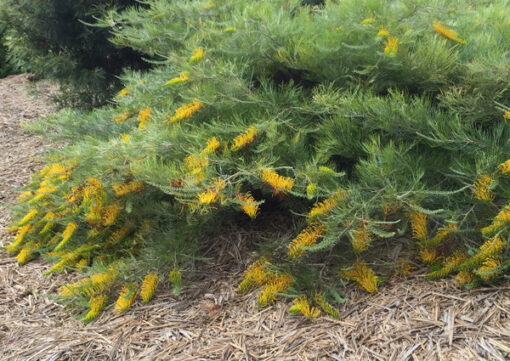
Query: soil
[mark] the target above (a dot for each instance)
(409, 319)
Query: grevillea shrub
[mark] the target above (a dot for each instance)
(381, 128)
(61, 40)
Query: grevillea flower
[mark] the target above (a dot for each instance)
(504, 167)
(126, 138)
(488, 270)
(66, 235)
(211, 195)
(326, 307)
(198, 54)
(447, 32)
(126, 297)
(149, 285)
(311, 189)
(440, 236)
(370, 20)
(49, 217)
(28, 217)
(383, 32)
(183, 77)
(121, 118)
(244, 139)
(481, 188)
(464, 278)
(302, 306)
(428, 255)
(280, 184)
(212, 145)
(96, 305)
(419, 225)
(361, 238)
(324, 207)
(122, 93)
(391, 45)
(143, 117)
(277, 284)
(119, 234)
(18, 240)
(363, 276)
(255, 275)
(492, 246)
(307, 237)
(24, 255)
(186, 111)
(110, 213)
(127, 188)
(506, 115)
(249, 206)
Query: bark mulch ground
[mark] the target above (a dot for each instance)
(409, 319)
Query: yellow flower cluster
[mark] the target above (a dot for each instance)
(198, 54)
(149, 285)
(255, 275)
(419, 226)
(307, 237)
(29, 217)
(361, 239)
(119, 234)
(326, 307)
(506, 114)
(505, 166)
(212, 146)
(428, 255)
(249, 206)
(110, 213)
(93, 196)
(126, 138)
(383, 32)
(244, 139)
(280, 184)
(363, 276)
(324, 207)
(501, 218)
(488, 269)
(122, 92)
(121, 118)
(302, 306)
(391, 45)
(127, 188)
(18, 240)
(211, 195)
(143, 117)
(481, 188)
(182, 78)
(370, 20)
(492, 246)
(127, 297)
(440, 236)
(66, 235)
(464, 278)
(186, 111)
(311, 189)
(24, 255)
(49, 217)
(96, 304)
(447, 32)
(277, 284)
(175, 276)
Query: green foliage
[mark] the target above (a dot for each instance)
(55, 39)
(5, 67)
(356, 119)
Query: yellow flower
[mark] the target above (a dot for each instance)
(148, 288)
(255, 275)
(244, 139)
(383, 32)
(277, 284)
(126, 297)
(122, 93)
(391, 45)
(30, 216)
(428, 255)
(363, 276)
(212, 145)
(66, 235)
(506, 115)
(18, 240)
(175, 276)
(126, 188)
(126, 138)
(82, 264)
(447, 32)
(440, 236)
(79, 287)
(194, 162)
(249, 206)
(186, 111)
(504, 167)
(464, 278)
(24, 255)
(49, 217)
(361, 238)
(198, 55)
(110, 213)
(302, 306)
(229, 30)
(119, 234)
(311, 189)
(143, 117)
(326, 307)
(419, 226)
(492, 246)
(370, 20)
(96, 305)
(211, 195)
(481, 188)
(121, 118)
(488, 269)
(183, 77)
(307, 237)
(66, 261)
(324, 207)
(280, 184)
(25, 196)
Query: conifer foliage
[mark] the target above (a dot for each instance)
(376, 124)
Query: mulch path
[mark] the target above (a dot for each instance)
(409, 319)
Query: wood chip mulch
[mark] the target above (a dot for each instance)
(409, 319)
